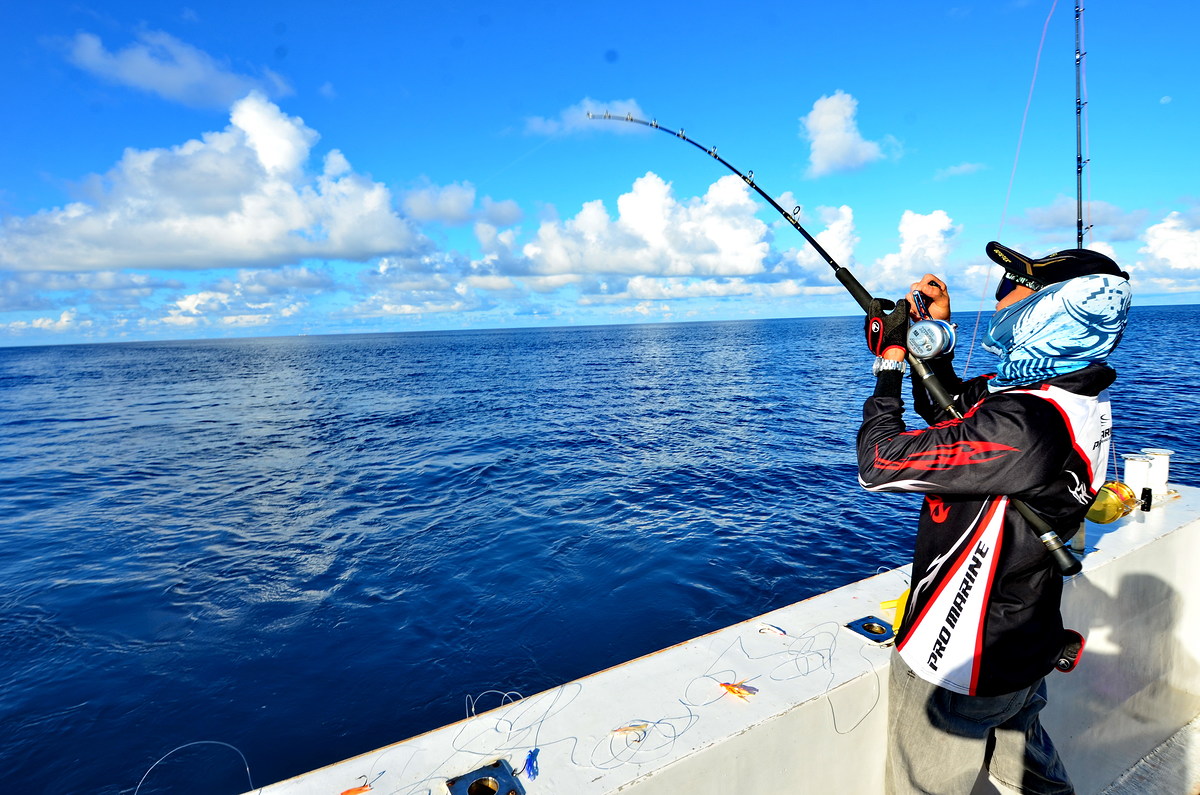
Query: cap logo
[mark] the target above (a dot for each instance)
(1001, 255)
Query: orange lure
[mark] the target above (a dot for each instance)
(740, 689)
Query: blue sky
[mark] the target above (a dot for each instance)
(253, 169)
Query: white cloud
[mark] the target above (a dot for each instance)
(493, 283)
(644, 288)
(432, 284)
(283, 281)
(654, 234)
(575, 118)
(924, 248)
(657, 248)
(162, 64)
(241, 321)
(1058, 221)
(449, 204)
(236, 198)
(219, 308)
(500, 213)
(456, 205)
(961, 170)
(280, 142)
(67, 321)
(1172, 249)
(838, 238)
(832, 131)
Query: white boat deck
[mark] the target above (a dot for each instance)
(1171, 769)
(664, 725)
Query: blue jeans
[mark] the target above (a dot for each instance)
(939, 740)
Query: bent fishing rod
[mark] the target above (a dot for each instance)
(1067, 563)
(852, 285)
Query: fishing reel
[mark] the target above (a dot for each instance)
(1114, 501)
(929, 338)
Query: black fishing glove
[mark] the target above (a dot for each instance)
(887, 325)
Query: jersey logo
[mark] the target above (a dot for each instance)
(938, 511)
(1080, 490)
(948, 456)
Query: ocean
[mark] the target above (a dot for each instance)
(309, 547)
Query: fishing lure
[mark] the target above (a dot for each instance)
(771, 629)
(740, 689)
(637, 729)
(360, 790)
(531, 764)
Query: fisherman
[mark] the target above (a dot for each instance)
(981, 626)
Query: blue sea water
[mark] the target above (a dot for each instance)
(310, 547)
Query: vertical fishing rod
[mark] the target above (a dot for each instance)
(1067, 563)
(1079, 103)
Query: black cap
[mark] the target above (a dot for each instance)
(1054, 268)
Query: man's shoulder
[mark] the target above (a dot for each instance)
(1087, 382)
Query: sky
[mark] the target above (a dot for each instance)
(259, 169)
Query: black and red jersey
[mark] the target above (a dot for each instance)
(982, 616)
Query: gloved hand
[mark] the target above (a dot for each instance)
(887, 325)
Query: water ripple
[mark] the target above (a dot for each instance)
(311, 547)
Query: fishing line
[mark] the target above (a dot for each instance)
(1025, 116)
(189, 745)
(513, 162)
(635, 740)
(1011, 180)
(878, 692)
(506, 697)
(1067, 564)
(523, 718)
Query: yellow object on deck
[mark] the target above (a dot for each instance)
(898, 605)
(1113, 501)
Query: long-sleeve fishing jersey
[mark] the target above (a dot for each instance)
(982, 616)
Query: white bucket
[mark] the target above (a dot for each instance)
(1160, 467)
(1137, 471)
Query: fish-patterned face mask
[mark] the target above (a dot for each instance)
(1059, 329)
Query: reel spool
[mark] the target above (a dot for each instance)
(930, 338)
(1114, 501)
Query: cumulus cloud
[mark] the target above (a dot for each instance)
(1057, 221)
(36, 290)
(251, 298)
(832, 132)
(284, 281)
(838, 237)
(575, 118)
(162, 64)
(449, 204)
(242, 197)
(68, 320)
(457, 205)
(1172, 251)
(430, 284)
(656, 248)
(655, 234)
(659, 248)
(924, 248)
